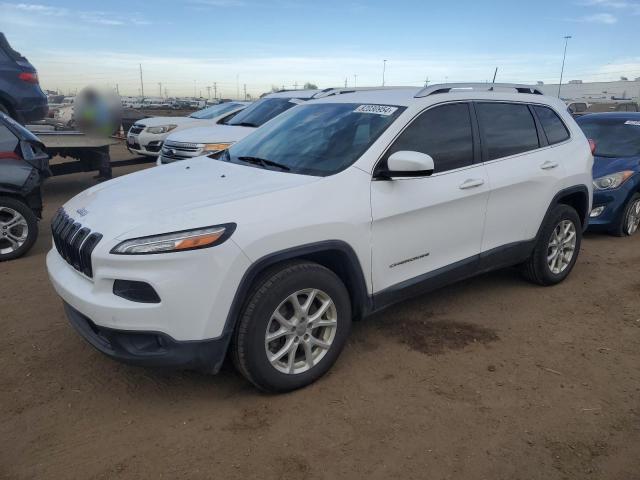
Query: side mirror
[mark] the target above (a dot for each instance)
(407, 164)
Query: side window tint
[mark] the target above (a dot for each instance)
(551, 124)
(443, 132)
(509, 128)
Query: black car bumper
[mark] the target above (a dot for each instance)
(32, 113)
(150, 349)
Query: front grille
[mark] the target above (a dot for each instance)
(136, 128)
(74, 242)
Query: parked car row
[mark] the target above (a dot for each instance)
(146, 136)
(335, 208)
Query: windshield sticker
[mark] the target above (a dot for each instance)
(296, 101)
(633, 122)
(377, 109)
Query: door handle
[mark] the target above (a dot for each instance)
(471, 183)
(548, 165)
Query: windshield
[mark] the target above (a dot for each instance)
(215, 111)
(315, 139)
(262, 111)
(614, 137)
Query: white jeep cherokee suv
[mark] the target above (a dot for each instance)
(333, 210)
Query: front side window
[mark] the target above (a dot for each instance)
(444, 133)
(215, 111)
(509, 129)
(553, 127)
(262, 111)
(314, 139)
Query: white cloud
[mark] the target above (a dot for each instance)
(603, 18)
(626, 6)
(220, 3)
(32, 13)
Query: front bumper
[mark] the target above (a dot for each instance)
(614, 203)
(144, 143)
(150, 349)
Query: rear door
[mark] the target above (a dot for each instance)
(525, 170)
(423, 224)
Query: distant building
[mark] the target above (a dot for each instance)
(594, 91)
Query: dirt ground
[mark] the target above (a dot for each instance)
(493, 378)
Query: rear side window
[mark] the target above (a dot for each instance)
(443, 132)
(508, 129)
(553, 127)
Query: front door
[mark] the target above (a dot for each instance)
(424, 224)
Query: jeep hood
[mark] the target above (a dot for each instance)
(213, 134)
(189, 194)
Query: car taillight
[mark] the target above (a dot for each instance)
(11, 155)
(29, 77)
(592, 144)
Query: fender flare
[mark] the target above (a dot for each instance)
(356, 284)
(556, 201)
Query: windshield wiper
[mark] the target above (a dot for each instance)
(264, 162)
(244, 124)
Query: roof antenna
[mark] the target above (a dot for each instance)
(494, 75)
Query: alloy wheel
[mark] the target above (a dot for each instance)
(301, 331)
(562, 246)
(14, 230)
(633, 218)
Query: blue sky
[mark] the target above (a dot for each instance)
(189, 44)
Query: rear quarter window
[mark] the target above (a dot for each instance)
(553, 127)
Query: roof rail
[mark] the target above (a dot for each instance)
(328, 92)
(487, 87)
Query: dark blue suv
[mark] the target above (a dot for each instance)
(616, 171)
(20, 94)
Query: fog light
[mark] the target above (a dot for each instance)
(596, 212)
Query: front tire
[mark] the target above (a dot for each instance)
(18, 228)
(293, 327)
(630, 221)
(557, 247)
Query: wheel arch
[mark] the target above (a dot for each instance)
(576, 197)
(336, 255)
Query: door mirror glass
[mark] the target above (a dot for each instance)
(409, 164)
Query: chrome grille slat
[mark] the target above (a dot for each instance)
(74, 242)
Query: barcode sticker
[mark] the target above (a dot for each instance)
(376, 109)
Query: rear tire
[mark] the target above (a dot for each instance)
(628, 224)
(18, 228)
(293, 327)
(556, 249)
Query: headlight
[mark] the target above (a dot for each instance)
(609, 182)
(215, 147)
(161, 128)
(176, 241)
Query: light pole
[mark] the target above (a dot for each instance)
(355, 81)
(564, 56)
(384, 69)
